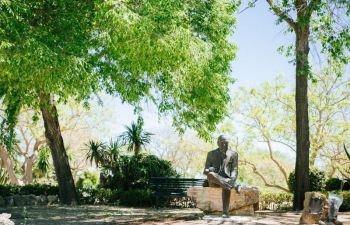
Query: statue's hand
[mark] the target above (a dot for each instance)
(211, 169)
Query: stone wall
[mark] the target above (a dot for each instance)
(21, 200)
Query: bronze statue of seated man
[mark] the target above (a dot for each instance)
(221, 169)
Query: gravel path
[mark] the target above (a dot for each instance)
(113, 215)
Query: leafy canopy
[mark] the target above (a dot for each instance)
(172, 53)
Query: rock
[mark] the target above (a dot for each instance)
(42, 200)
(9, 201)
(32, 199)
(5, 219)
(209, 200)
(52, 199)
(19, 200)
(315, 208)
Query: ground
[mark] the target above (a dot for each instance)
(115, 215)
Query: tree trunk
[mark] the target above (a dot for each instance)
(302, 117)
(28, 170)
(29, 162)
(8, 165)
(54, 139)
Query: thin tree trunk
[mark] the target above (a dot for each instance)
(8, 165)
(302, 117)
(28, 170)
(29, 162)
(54, 139)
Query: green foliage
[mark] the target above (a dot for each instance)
(136, 197)
(43, 164)
(87, 180)
(345, 206)
(276, 201)
(39, 189)
(284, 201)
(346, 185)
(174, 50)
(96, 195)
(8, 190)
(336, 184)
(4, 177)
(317, 180)
(95, 151)
(333, 184)
(133, 172)
(135, 137)
(36, 189)
(46, 43)
(165, 52)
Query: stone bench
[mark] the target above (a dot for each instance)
(209, 199)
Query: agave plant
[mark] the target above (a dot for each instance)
(95, 152)
(135, 137)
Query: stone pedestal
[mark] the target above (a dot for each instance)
(209, 199)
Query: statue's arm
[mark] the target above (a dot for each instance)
(234, 168)
(208, 164)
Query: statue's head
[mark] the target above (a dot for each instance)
(223, 142)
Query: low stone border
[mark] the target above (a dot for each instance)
(21, 200)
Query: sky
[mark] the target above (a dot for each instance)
(257, 37)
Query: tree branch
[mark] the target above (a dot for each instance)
(278, 12)
(256, 171)
(250, 5)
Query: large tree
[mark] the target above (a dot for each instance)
(166, 52)
(325, 23)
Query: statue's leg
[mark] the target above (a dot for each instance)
(214, 178)
(226, 194)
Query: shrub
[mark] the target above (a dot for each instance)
(346, 185)
(345, 206)
(87, 180)
(317, 180)
(276, 201)
(136, 197)
(333, 184)
(35, 189)
(39, 189)
(8, 190)
(133, 172)
(86, 195)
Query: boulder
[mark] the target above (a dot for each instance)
(5, 219)
(315, 208)
(209, 199)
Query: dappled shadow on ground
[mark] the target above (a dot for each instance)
(94, 215)
(113, 215)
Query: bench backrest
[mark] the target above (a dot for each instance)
(176, 187)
